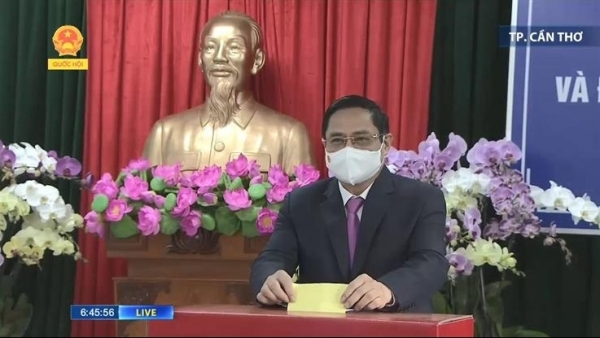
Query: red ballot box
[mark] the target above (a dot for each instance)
(251, 321)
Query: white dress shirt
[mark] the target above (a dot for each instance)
(346, 196)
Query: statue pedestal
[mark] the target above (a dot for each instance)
(181, 271)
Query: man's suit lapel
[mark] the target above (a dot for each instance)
(374, 210)
(334, 216)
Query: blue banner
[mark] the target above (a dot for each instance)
(554, 104)
(122, 312)
(146, 312)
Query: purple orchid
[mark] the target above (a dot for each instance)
(456, 148)
(507, 192)
(87, 182)
(67, 167)
(451, 225)
(53, 154)
(472, 221)
(462, 265)
(430, 163)
(7, 157)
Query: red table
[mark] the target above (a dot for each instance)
(252, 321)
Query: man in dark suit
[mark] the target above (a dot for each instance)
(381, 233)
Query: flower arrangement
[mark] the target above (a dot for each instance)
(489, 205)
(34, 219)
(150, 200)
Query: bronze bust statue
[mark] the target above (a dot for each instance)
(230, 121)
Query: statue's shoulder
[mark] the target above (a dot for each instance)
(180, 118)
(279, 118)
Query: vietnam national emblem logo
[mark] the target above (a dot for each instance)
(67, 40)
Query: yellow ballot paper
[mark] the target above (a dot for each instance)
(318, 297)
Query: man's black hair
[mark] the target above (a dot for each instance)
(378, 116)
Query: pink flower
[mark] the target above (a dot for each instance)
(238, 168)
(306, 174)
(185, 180)
(253, 169)
(265, 222)
(191, 223)
(277, 176)
(106, 186)
(207, 178)
(93, 224)
(277, 193)
(209, 198)
(168, 173)
(149, 220)
(150, 197)
(140, 164)
(116, 210)
(159, 201)
(180, 211)
(186, 197)
(133, 187)
(256, 180)
(237, 199)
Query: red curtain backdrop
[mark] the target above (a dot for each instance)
(143, 66)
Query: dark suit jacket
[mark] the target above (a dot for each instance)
(401, 241)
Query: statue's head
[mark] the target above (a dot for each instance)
(230, 53)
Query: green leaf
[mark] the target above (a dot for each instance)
(208, 222)
(260, 202)
(257, 191)
(100, 203)
(248, 214)
(267, 185)
(168, 224)
(519, 331)
(144, 175)
(170, 202)
(275, 207)
(249, 229)
(120, 178)
(440, 305)
(16, 319)
(495, 289)
(236, 184)
(7, 284)
(22, 302)
(137, 205)
(511, 331)
(227, 222)
(171, 190)
(158, 184)
(493, 297)
(125, 228)
(225, 180)
(495, 309)
(5, 330)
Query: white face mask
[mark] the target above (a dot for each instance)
(354, 166)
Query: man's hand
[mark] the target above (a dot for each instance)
(366, 293)
(277, 289)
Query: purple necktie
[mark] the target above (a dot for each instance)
(353, 222)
